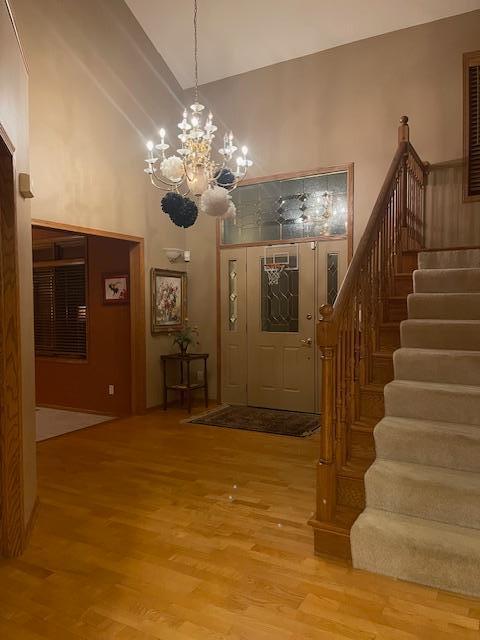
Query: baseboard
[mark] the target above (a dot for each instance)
(27, 534)
(80, 410)
(331, 541)
(175, 404)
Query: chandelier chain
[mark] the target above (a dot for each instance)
(195, 11)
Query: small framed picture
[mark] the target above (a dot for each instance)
(169, 300)
(115, 288)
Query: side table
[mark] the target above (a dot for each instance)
(185, 386)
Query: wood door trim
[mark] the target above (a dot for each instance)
(218, 315)
(291, 175)
(6, 139)
(12, 515)
(349, 168)
(138, 357)
(89, 231)
(269, 243)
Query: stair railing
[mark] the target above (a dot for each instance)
(348, 333)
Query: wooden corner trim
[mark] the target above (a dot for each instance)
(17, 36)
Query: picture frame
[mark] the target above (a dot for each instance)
(116, 288)
(168, 300)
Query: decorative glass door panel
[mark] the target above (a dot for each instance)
(279, 301)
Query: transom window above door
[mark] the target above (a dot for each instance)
(302, 207)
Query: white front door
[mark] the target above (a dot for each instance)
(269, 356)
(281, 329)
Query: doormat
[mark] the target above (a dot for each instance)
(285, 423)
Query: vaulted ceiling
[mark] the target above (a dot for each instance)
(235, 37)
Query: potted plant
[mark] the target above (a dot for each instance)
(186, 336)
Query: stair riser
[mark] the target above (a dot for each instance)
(408, 262)
(444, 307)
(432, 448)
(462, 259)
(396, 310)
(459, 336)
(389, 338)
(362, 445)
(401, 492)
(372, 404)
(446, 281)
(403, 286)
(351, 493)
(443, 406)
(396, 555)
(437, 366)
(382, 370)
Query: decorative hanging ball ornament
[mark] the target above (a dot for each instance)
(190, 213)
(172, 203)
(172, 168)
(231, 212)
(226, 179)
(215, 202)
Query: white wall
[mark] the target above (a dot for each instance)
(341, 106)
(98, 91)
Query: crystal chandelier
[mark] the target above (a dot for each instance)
(193, 171)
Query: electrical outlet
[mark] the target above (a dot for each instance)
(111, 389)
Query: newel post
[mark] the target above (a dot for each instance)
(326, 471)
(403, 130)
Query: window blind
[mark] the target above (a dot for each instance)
(472, 141)
(60, 311)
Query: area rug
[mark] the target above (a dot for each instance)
(56, 422)
(285, 423)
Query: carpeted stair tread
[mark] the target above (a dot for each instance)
(433, 493)
(433, 401)
(437, 365)
(422, 517)
(452, 259)
(432, 553)
(441, 334)
(446, 280)
(427, 442)
(444, 306)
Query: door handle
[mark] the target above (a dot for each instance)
(306, 342)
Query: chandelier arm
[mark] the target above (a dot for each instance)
(160, 183)
(239, 180)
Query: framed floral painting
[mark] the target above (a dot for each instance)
(169, 300)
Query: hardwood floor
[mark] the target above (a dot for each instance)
(151, 529)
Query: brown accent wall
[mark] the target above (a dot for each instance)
(84, 385)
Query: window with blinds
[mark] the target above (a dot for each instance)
(60, 306)
(472, 125)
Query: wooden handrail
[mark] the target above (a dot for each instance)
(365, 243)
(348, 333)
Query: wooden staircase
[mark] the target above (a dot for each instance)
(357, 338)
